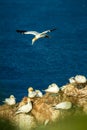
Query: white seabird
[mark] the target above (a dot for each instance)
(10, 101)
(72, 80)
(38, 93)
(31, 92)
(80, 79)
(53, 88)
(25, 108)
(36, 34)
(23, 102)
(63, 105)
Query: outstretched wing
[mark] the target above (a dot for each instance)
(48, 31)
(27, 32)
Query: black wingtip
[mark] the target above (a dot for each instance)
(53, 29)
(20, 31)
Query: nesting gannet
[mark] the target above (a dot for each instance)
(72, 80)
(37, 34)
(38, 93)
(63, 105)
(25, 108)
(10, 101)
(80, 79)
(53, 88)
(23, 102)
(31, 92)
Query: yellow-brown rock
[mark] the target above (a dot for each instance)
(43, 111)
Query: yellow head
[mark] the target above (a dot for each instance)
(30, 89)
(12, 96)
(24, 99)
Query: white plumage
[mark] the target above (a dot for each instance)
(25, 108)
(38, 93)
(72, 80)
(36, 34)
(31, 92)
(63, 105)
(80, 79)
(10, 101)
(53, 88)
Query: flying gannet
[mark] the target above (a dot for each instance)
(36, 34)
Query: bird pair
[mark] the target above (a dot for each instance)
(32, 93)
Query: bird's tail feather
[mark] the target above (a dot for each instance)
(53, 107)
(17, 112)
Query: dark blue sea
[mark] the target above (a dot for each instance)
(48, 61)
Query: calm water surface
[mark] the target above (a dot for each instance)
(48, 60)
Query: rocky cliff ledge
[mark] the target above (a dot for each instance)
(43, 112)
